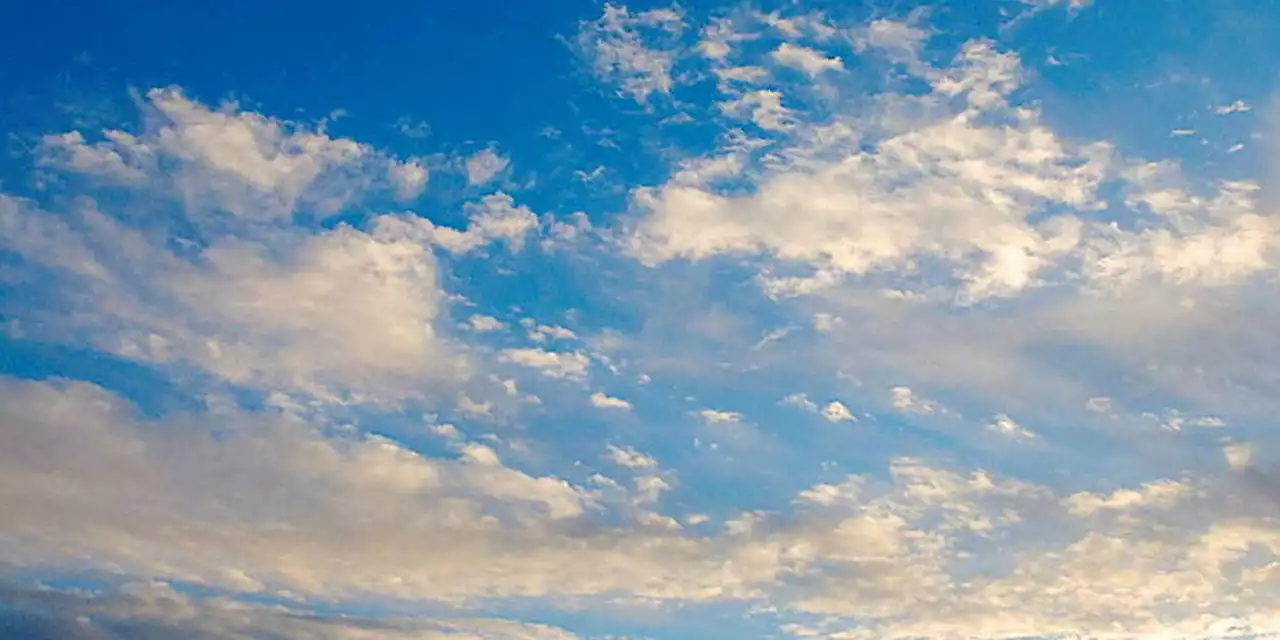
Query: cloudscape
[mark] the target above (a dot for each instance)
(577, 320)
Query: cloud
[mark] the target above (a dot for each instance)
(873, 192)
(631, 458)
(1008, 427)
(912, 226)
(715, 416)
(810, 61)
(409, 179)
(905, 399)
(254, 312)
(571, 365)
(763, 107)
(636, 52)
(272, 504)
(541, 333)
(228, 161)
(835, 411)
(496, 217)
(484, 165)
(156, 610)
(480, 323)
(603, 401)
(1239, 106)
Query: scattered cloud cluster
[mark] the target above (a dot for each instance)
(977, 305)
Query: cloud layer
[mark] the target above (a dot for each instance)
(831, 324)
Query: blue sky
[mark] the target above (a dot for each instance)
(571, 320)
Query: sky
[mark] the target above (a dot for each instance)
(570, 320)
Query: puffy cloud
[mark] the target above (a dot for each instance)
(637, 52)
(810, 61)
(261, 503)
(481, 323)
(496, 217)
(958, 178)
(906, 399)
(763, 107)
(835, 411)
(409, 179)
(1008, 427)
(715, 416)
(255, 312)
(541, 333)
(631, 458)
(599, 399)
(484, 165)
(233, 161)
(553, 364)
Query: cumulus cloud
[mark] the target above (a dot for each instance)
(481, 323)
(231, 161)
(835, 411)
(496, 217)
(972, 183)
(409, 179)
(715, 416)
(906, 399)
(484, 165)
(255, 312)
(1008, 427)
(636, 52)
(810, 61)
(553, 364)
(272, 504)
(945, 239)
(599, 399)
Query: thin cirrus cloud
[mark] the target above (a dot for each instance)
(854, 331)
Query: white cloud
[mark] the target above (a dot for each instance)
(763, 107)
(446, 431)
(998, 209)
(906, 194)
(802, 401)
(603, 401)
(900, 42)
(118, 158)
(571, 365)
(231, 161)
(409, 178)
(1008, 427)
(1239, 106)
(495, 218)
(480, 323)
(630, 458)
(484, 165)
(715, 416)
(412, 128)
(473, 408)
(253, 312)
(542, 333)
(1239, 455)
(826, 322)
(811, 61)
(82, 476)
(637, 52)
(906, 400)
(835, 411)
(814, 25)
